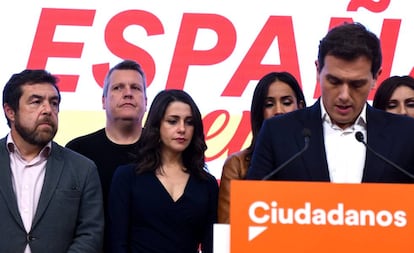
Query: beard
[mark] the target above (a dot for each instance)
(34, 136)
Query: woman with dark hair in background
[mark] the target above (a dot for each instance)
(275, 94)
(166, 201)
(396, 95)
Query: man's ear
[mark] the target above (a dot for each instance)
(10, 113)
(103, 102)
(374, 85)
(317, 67)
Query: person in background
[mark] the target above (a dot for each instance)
(276, 93)
(348, 65)
(124, 101)
(50, 196)
(396, 95)
(166, 201)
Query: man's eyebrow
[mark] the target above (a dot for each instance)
(35, 96)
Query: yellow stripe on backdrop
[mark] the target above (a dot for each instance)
(73, 124)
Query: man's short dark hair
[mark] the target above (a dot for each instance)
(13, 89)
(350, 41)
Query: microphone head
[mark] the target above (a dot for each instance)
(359, 136)
(306, 133)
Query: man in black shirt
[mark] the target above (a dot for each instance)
(124, 101)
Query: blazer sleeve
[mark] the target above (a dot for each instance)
(90, 223)
(119, 209)
(262, 162)
(207, 241)
(235, 167)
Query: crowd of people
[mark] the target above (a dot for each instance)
(136, 186)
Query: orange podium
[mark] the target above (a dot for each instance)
(279, 216)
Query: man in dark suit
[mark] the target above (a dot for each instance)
(348, 65)
(50, 196)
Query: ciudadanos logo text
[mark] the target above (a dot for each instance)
(264, 214)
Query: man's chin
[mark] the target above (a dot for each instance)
(45, 136)
(128, 119)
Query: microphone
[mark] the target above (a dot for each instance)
(360, 137)
(306, 136)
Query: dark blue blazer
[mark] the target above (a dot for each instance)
(281, 137)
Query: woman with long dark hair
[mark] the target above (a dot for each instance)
(276, 93)
(166, 201)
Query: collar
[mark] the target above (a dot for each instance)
(12, 147)
(360, 121)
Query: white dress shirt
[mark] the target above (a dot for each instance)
(344, 154)
(27, 179)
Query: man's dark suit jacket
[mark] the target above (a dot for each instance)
(281, 137)
(69, 215)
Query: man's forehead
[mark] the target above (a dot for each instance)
(357, 69)
(39, 88)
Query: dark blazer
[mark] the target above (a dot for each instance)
(69, 216)
(281, 137)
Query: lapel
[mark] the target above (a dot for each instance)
(6, 187)
(315, 157)
(379, 141)
(54, 168)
